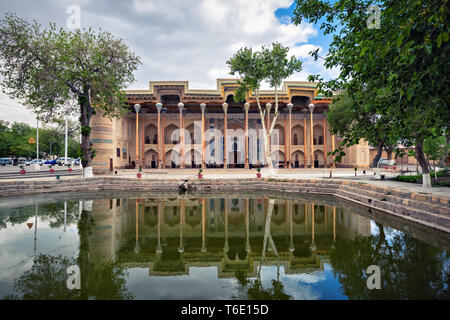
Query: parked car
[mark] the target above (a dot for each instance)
(5, 161)
(386, 162)
(33, 162)
(77, 161)
(61, 161)
(51, 162)
(18, 161)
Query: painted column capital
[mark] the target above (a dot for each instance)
(203, 107)
(225, 107)
(246, 106)
(159, 107)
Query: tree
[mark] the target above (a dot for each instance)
(269, 64)
(58, 73)
(354, 122)
(436, 149)
(407, 57)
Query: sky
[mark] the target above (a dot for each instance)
(180, 39)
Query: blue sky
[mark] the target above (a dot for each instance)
(320, 39)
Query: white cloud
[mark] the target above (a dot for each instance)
(11, 111)
(185, 39)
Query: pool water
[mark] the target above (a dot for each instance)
(229, 246)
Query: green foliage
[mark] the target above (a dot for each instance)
(436, 148)
(276, 64)
(254, 290)
(250, 67)
(418, 177)
(413, 179)
(410, 268)
(397, 72)
(86, 130)
(271, 64)
(15, 139)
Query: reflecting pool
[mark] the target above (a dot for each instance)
(227, 246)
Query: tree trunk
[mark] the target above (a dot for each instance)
(389, 154)
(379, 152)
(270, 130)
(267, 235)
(426, 180)
(86, 115)
(267, 148)
(265, 133)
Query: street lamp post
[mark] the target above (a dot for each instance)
(137, 108)
(37, 166)
(65, 142)
(311, 109)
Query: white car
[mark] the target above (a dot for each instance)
(61, 161)
(386, 162)
(33, 162)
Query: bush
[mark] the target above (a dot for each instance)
(413, 179)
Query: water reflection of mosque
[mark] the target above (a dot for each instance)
(171, 235)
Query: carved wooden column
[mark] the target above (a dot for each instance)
(290, 105)
(305, 143)
(137, 246)
(137, 108)
(291, 242)
(163, 143)
(311, 109)
(203, 107)
(143, 141)
(182, 214)
(226, 246)
(181, 108)
(306, 217)
(334, 223)
(332, 147)
(158, 246)
(313, 243)
(203, 225)
(324, 143)
(158, 107)
(246, 107)
(247, 226)
(225, 129)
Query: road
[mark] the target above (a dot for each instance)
(12, 172)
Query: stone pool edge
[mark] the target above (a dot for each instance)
(426, 209)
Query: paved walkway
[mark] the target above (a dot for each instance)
(340, 173)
